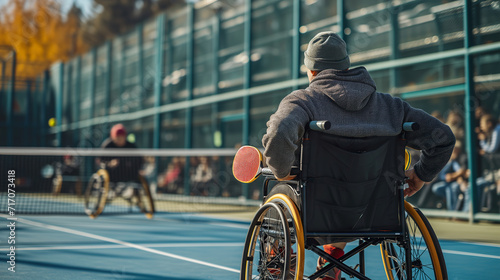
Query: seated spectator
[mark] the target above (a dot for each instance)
(455, 122)
(202, 177)
(489, 135)
(482, 183)
(479, 112)
(448, 181)
(172, 180)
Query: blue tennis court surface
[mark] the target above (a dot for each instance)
(170, 246)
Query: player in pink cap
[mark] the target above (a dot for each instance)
(120, 168)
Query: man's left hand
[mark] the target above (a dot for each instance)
(414, 183)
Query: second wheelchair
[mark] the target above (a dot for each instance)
(130, 189)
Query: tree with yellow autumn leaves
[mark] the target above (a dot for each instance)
(40, 34)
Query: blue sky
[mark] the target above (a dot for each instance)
(85, 5)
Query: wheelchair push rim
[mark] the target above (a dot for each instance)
(96, 193)
(145, 200)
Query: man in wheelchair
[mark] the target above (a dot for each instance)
(348, 99)
(123, 171)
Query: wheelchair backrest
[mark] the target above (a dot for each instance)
(351, 184)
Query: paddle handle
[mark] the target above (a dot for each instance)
(267, 171)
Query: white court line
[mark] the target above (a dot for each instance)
(481, 244)
(471, 254)
(124, 243)
(217, 223)
(154, 245)
(231, 225)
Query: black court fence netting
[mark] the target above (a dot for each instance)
(64, 180)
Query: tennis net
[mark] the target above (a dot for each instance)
(58, 180)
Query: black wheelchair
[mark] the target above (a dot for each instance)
(129, 188)
(347, 189)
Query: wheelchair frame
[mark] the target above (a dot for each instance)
(98, 189)
(294, 230)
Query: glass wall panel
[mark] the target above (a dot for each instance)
(19, 117)
(229, 123)
(73, 91)
(85, 87)
(231, 54)
(419, 30)
(176, 39)
(487, 27)
(204, 57)
(132, 91)
(68, 95)
(100, 81)
(317, 14)
(203, 134)
(450, 25)
(173, 129)
(271, 56)
(368, 30)
(382, 80)
(433, 74)
(230, 107)
(149, 63)
(117, 73)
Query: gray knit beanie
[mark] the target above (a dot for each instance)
(326, 51)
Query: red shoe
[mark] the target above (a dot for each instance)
(276, 270)
(333, 274)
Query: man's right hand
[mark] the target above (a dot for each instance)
(287, 178)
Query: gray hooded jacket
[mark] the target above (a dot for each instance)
(349, 100)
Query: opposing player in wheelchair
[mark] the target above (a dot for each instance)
(345, 180)
(118, 177)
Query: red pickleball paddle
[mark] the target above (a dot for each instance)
(247, 164)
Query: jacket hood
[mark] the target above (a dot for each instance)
(351, 89)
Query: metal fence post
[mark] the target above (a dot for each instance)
(469, 108)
